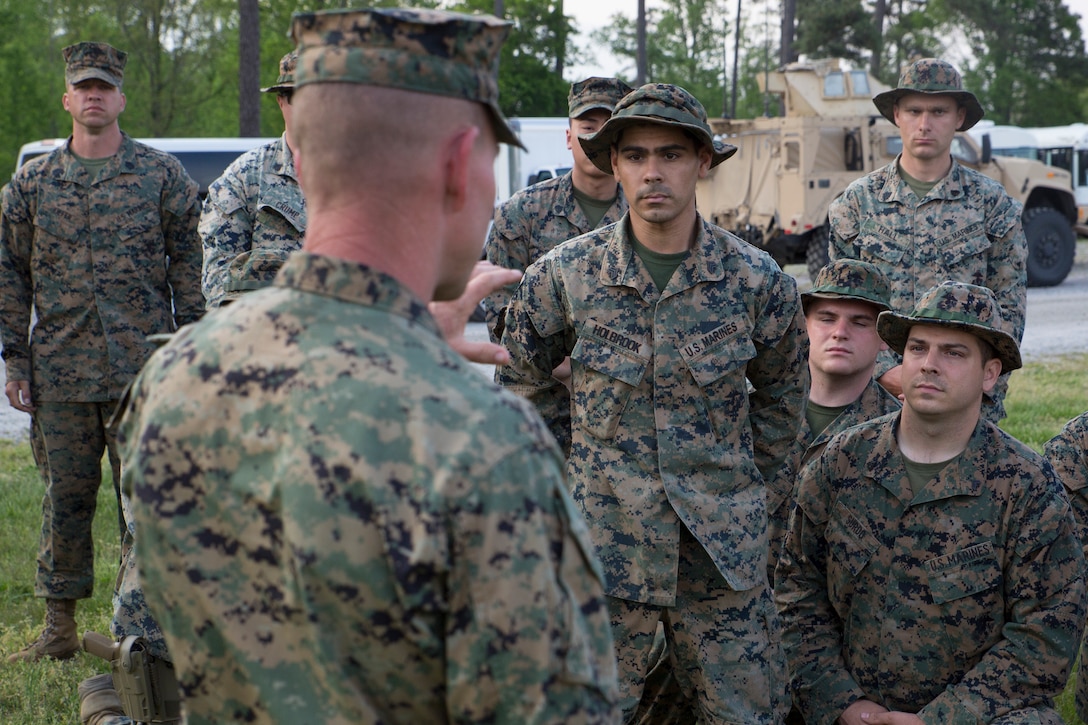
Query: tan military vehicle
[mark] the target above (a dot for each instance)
(776, 190)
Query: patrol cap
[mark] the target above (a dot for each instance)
(959, 305)
(934, 77)
(595, 93)
(850, 279)
(286, 79)
(426, 51)
(659, 103)
(86, 60)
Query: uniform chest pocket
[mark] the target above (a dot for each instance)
(963, 573)
(850, 542)
(605, 376)
(964, 246)
(879, 244)
(718, 361)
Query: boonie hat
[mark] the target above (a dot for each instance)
(660, 103)
(963, 306)
(935, 77)
(595, 93)
(86, 60)
(286, 79)
(426, 51)
(850, 279)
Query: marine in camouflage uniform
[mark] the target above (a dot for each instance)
(959, 597)
(340, 520)
(1068, 454)
(668, 447)
(853, 281)
(103, 248)
(535, 219)
(254, 215)
(966, 228)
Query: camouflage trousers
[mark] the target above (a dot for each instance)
(724, 649)
(68, 440)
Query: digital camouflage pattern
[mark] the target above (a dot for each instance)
(342, 521)
(427, 51)
(967, 229)
(285, 81)
(661, 430)
(849, 279)
(874, 402)
(1068, 454)
(528, 225)
(931, 76)
(595, 93)
(131, 615)
(254, 217)
(105, 263)
(86, 60)
(666, 435)
(962, 604)
(70, 440)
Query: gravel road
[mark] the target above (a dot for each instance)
(1057, 324)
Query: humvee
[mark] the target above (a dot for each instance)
(775, 191)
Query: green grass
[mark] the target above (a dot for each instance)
(1042, 397)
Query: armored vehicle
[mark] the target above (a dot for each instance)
(775, 191)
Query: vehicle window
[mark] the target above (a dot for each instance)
(206, 166)
(963, 151)
(834, 85)
(859, 82)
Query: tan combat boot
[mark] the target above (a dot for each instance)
(98, 701)
(58, 640)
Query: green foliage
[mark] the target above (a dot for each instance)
(841, 29)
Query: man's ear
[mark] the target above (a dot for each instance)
(991, 372)
(457, 165)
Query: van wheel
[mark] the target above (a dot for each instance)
(816, 252)
(1052, 245)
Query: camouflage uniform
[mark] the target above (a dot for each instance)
(369, 531)
(532, 221)
(104, 263)
(963, 602)
(254, 216)
(1068, 453)
(459, 577)
(966, 229)
(656, 451)
(874, 402)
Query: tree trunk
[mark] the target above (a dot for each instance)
(249, 69)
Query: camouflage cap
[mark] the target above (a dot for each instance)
(850, 279)
(932, 76)
(286, 80)
(660, 103)
(595, 93)
(94, 60)
(426, 51)
(963, 306)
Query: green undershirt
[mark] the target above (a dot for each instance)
(594, 209)
(661, 266)
(920, 474)
(820, 416)
(93, 166)
(920, 188)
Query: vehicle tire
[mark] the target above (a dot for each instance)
(1052, 245)
(816, 252)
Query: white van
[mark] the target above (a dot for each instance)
(204, 158)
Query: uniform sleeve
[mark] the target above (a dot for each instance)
(1068, 454)
(180, 215)
(16, 235)
(507, 246)
(1007, 264)
(528, 639)
(779, 376)
(537, 339)
(812, 633)
(1045, 609)
(226, 230)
